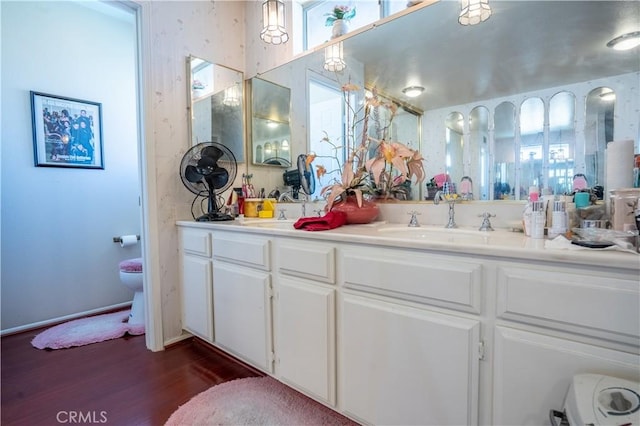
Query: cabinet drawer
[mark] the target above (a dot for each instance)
(243, 249)
(603, 305)
(196, 241)
(312, 261)
(437, 280)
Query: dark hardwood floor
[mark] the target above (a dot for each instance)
(117, 382)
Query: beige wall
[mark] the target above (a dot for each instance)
(226, 33)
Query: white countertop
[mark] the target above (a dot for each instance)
(468, 241)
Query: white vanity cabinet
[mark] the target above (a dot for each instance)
(196, 282)
(408, 331)
(553, 323)
(402, 362)
(242, 297)
(304, 317)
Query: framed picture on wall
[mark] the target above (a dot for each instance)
(67, 132)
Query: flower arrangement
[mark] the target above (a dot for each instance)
(340, 12)
(372, 166)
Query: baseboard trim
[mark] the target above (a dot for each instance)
(55, 321)
(178, 339)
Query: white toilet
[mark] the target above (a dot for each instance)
(131, 277)
(596, 399)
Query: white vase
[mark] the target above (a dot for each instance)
(340, 27)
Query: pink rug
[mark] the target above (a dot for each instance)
(88, 330)
(254, 401)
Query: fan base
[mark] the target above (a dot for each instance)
(214, 217)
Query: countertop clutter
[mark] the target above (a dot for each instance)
(465, 240)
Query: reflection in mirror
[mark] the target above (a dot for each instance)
(326, 106)
(504, 163)
(479, 151)
(454, 141)
(531, 139)
(598, 131)
(404, 128)
(270, 127)
(216, 104)
(562, 137)
(390, 55)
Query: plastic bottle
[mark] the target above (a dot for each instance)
(558, 219)
(538, 218)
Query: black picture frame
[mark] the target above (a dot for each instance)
(67, 132)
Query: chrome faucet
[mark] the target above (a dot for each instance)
(282, 216)
(486, 223)
(436, 200)
(413, 222)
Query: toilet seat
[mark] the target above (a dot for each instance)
(131, 265)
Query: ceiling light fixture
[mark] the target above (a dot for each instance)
(273, 21)
(334, 57)
(625, 41)
(474, 11)
(608, 96)
(413, 91)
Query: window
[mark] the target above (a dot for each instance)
(314, 16)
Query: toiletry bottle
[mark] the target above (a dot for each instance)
(558, 219)
(538, 217)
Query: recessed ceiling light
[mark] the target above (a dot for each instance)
(413, 91)
(625, 41)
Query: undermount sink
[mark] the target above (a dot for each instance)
(445, 235)
(423, 229)
(268, 223)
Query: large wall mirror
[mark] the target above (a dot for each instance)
(488, 73)
(216, 102)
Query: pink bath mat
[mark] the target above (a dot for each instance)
(88, 330)
(254, 401)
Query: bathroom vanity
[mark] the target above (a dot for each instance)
(395, 325)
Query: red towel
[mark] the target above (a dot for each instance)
(330, 220)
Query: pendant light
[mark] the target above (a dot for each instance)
(474, 11)
(273, 21)
(334, 57)
(231, 96)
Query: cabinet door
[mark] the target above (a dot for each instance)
(402, 365)
(533, 372)
(305, 336)
(196, 297)
(242, 313)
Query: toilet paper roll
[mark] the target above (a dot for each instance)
(128, 240)
(619, 165)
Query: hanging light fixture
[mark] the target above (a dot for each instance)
(474, 11)
(231, 96)
(273, 21)
(334, 57)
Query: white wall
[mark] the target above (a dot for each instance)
(58, 256)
